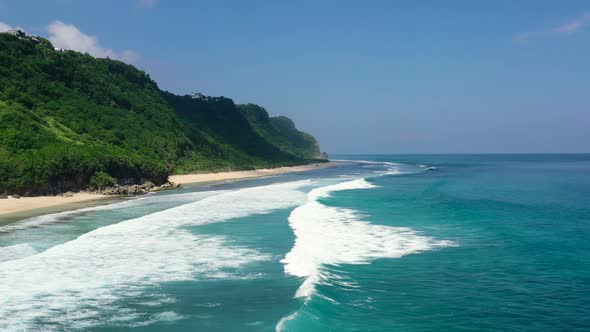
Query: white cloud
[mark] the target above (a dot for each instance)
(4, 27)
(129, 56)
(525, 37)
(567, 28)
(574, 25)
(147, 4)
(67, 36)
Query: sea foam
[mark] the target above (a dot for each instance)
(328, 235)
(16, 251)
(77, 284)
(60, 217)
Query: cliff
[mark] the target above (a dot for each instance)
(66, 116)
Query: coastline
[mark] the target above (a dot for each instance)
(14, 209)
(14, 205)
(239, 175)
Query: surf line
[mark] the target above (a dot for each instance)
(327, 235)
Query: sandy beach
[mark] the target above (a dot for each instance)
(221, 176)
(12, 205)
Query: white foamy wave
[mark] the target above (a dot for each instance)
(281, 324)
(77, 284)
(331, 236)
(167, 316)
(324, 192)
(61, 217)
(391, 168)
(426, 167)
(16, 251)
(394, 171)
(389, 163)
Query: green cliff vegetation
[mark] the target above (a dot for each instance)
(67, 119)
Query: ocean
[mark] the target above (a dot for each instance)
(378, 243)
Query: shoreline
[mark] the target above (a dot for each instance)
(241, 175)
(13, 205)
(12, 209)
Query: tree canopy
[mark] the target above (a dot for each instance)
(66, 116)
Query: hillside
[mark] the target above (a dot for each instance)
(65, 116)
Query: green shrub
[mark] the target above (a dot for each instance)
(101, 180)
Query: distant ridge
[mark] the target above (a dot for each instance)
(66, 116)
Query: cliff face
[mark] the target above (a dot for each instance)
(65, 116)
(281, 131)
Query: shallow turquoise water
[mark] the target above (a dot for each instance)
(390, 243)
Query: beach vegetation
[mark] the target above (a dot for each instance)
(101, 180)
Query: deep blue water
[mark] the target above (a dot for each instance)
(379, 243)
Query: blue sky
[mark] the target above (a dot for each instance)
(362, 76)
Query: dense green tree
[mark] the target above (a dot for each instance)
(66, 116)
(101, 180)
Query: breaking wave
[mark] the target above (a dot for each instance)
(16, 251)
(61, 217)
(77, 284)
(330, 236)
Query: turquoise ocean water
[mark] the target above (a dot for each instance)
(379, 243)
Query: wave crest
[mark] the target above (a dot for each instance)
(16, 251)
(328, 235)
(76, 284)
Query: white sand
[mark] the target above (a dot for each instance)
(13, 205)
(221, 176)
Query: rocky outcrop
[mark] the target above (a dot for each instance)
(148, 185)
(136, 189)
(167, 186)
